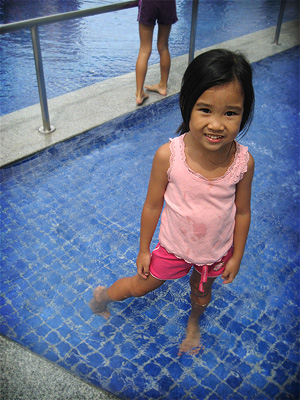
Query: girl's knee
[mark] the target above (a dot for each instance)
(201, 295)
(201, 298)
(162, 48)
(145, 51)
(198, 297)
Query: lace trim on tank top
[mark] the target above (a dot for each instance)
(172, 157)
(236, 170)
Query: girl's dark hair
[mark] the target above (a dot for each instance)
(215, 68)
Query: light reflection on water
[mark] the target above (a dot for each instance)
(84, 51)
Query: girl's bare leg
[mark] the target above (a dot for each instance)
(199, 301)
(134, 286)
(146, 35)
(165, 60)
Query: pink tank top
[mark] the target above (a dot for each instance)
(197, 222)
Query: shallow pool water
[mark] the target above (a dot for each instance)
(85, 51)
(70, 220)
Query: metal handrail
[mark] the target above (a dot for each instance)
(50, 19)
(193, 30)
(279, 22)
(33, 25)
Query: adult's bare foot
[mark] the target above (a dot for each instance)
(100, 301)
(140, 99)
(157, 88)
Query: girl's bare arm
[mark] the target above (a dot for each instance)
(242, 223)
(153, 206)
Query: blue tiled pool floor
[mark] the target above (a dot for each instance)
(70, 221)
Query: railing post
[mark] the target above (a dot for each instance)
(279, 22)
(193, 30)
(46, 128)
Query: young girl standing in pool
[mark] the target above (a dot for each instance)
(204, 178)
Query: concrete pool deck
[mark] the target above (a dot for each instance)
(84, 109)
(25, 375)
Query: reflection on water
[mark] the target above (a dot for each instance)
(84, 51)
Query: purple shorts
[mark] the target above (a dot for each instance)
(165, 265)
(162, 11)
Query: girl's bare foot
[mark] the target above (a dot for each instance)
(157, 88)
(140, 99)
(100, 301)
(192, 342)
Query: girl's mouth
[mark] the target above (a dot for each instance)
(213, 138)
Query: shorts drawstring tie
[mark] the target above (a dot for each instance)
(203, 277)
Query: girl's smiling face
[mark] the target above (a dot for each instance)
(217, 115)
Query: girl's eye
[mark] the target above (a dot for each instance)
(205, 110)
(230, 113)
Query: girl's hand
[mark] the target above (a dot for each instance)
(143, 263)
(231, 270)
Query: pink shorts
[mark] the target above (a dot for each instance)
(165, 266)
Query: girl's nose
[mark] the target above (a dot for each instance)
(216, 124)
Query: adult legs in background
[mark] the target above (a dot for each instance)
(165, 59)
(134, 286)
(146, 35)
(199, 301)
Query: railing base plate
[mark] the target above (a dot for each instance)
(42, 130)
